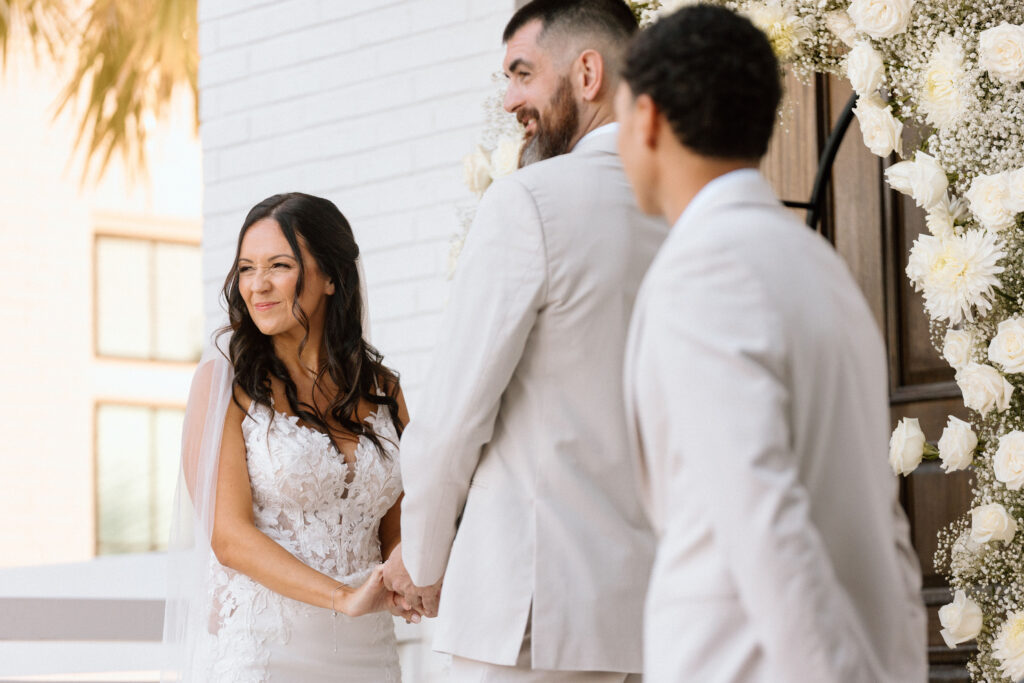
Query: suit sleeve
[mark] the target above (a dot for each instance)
(498, 289)
(716, 358)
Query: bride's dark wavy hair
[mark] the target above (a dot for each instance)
(352, 364)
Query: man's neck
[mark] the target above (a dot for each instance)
(686, 174)
(592, 120)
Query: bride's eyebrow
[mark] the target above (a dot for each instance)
(270, 259)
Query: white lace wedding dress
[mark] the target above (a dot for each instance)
(326, 513)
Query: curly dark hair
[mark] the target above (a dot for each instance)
(352, 364)
(714, 76)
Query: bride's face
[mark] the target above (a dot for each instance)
(268, 275)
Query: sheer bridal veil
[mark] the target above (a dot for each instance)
(189, 605)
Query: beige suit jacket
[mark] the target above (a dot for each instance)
(521, 430)
(757, 392)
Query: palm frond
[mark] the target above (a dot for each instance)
(132, 56)
(45, 22)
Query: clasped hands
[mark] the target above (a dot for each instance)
(409, 600)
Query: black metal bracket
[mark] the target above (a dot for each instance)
(816, 205)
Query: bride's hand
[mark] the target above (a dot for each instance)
(370, 597)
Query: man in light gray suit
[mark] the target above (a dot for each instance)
(521, 431)
(757, 392)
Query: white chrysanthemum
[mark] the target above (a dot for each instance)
(941, 98)
(942, 216)
(1008, 647)
(925, 255)
(786, 31)
(956, 274)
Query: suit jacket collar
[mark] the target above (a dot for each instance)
(737, 188)
(603, 139)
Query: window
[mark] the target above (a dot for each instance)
(148, 299)
(137, 451)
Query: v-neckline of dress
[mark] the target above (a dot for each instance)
(296, 421)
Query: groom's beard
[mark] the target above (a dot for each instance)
(555, 132)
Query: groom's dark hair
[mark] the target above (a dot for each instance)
(714, 77)
(610, 21)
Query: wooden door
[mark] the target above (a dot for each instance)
(873, 230)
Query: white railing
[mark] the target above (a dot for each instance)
(101, 622)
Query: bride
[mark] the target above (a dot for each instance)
(290, 492)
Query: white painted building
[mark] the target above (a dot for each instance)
(372, 105)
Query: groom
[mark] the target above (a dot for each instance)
(756, 384)
(516, 469)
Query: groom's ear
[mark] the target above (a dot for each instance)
(589, 74)
(648, 121)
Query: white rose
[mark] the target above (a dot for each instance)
(906, 446)
(957, 348)
(1008, 646)
(992, 523)
(984, 388)
(1001, 52)
(1015, 186)
(957, 444)
(864, 68)
(1008, 463)
(988, 196)
(883, 132)
(476, 171)
(940, 98)
(900, 177)
(930, 181)
(841, 25)
(923, 179)
(1007, 347)
(881, 18)
(960, 619)
(505, 157)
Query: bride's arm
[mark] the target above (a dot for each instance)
(422, 601)
(238, 544)
(390, 531)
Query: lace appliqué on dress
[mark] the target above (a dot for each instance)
(320, 509)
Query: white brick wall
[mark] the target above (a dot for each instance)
(372, 105)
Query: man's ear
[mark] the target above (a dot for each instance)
(590, 74)
(649, 121)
